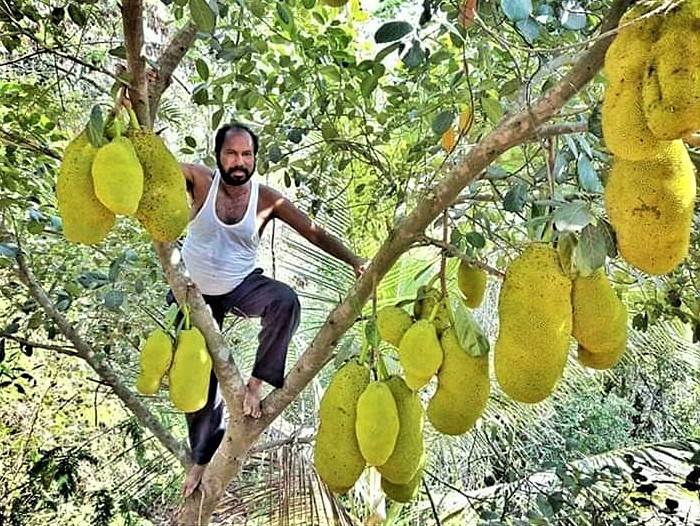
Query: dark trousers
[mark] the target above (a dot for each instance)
(278, 306)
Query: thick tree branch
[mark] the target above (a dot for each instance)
(100, 365)
(11, 137)
(132, 18)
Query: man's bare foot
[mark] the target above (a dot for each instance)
(251, 400)
(192, 480)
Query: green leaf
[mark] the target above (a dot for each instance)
(566, 245)
(114, 299)
(442, 122)
(572, 217)
(8, 251)
(589, 254)
(372, 333)
(415, 55)
(475, 239)
(516, 197)
(119, 52)
(202, 69)
(191, 142)
(203, 15)
(294, 135)
(392, 31)
(216, 118)
(587, 176)
(274, 153)
(369, 84)
(469, 334)
(573, 16)
(200, 94)
(492, 109)
(386, 51)
(96, 127)
(76, 15)
(328, 131)
(285, 15)
(529, 28)
(516, 9)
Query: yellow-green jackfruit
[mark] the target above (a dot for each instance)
(420, 353)
(118, 176)
(403, 492)
(599, 317)
(156, 357)
(463, 388)
(337, 455)
(672, 82)
(650, 206)
(191, 371)
(392, 323)
(404, 462)
(377, 423)
(85, 218)
(471, 281)
(600, 360)
(163, 210)
(424, 305)
(535, 325)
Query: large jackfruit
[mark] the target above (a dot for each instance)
(403, 492)
(420, 353)
(650, 206)
(426, 300)
(392, 323)
(672, 82)
(118, 176)
(163, 209)
(535, 325)
(156, 357)
(337, 455)
(406, 459)
(599, 317)
(463, 388)
(377, 423)
(471, 281)
(85, 218)
(191, 371)
(600, 360)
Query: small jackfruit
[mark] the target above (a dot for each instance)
(406, 459)
(471, 281)
(118, 176)
(377, 423)
(650, 206)
(392, 323)
(85, 218)
(600, 360)
(163, 210)
(420, 352)
(191, 371)
(156, 357)
(337, 455)
(424, 304)
(463, 388)
(535, 325)
(403, 492)
(599, 317)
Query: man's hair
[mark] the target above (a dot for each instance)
(236, 127)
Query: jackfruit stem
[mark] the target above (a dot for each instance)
(133, 119)
(382, 371)
(186, 312)
(433, 312)
(171, 316)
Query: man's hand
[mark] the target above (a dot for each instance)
(359, 266)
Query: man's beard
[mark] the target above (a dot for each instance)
(228, 178)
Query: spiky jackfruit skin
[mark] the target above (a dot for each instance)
(190, 372)
(85, 219)
(599, 317)
(337, 454)
(471, 281)
(118, 176)
(650, 206)
(156, 357)
(600, 360)
(406, 459)
(535, 325)
(163, 209)
(420, 353)
(423, 308)
(463, 388)
(624, 123)
(403, 492)
(672, 81)
(392, 323)
(377, 423)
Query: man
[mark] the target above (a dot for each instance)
(230, 210)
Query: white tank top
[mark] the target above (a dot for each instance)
(219, 256)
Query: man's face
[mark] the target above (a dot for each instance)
(237, 161)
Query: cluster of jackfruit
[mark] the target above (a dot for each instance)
(370, 423)
(133, 175)
(652, 100)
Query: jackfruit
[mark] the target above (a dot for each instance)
(600, 360)
(463, 388)
(423, 308)
(377, 423)
(650, 206)
(392, 323)
(163, 210)
(403, 492)
(337, 455)
(471, 281)
(156, 357)
(191, 371)
(85, 218)
(118, 176)
(599, 317)
(535, 324)
(404, 462)
(672, 81)
(420, 353)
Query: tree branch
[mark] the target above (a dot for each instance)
(132, 18)
(57, 348)
(457, 253)
(21, 142)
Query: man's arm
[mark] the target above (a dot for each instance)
(299, 221)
